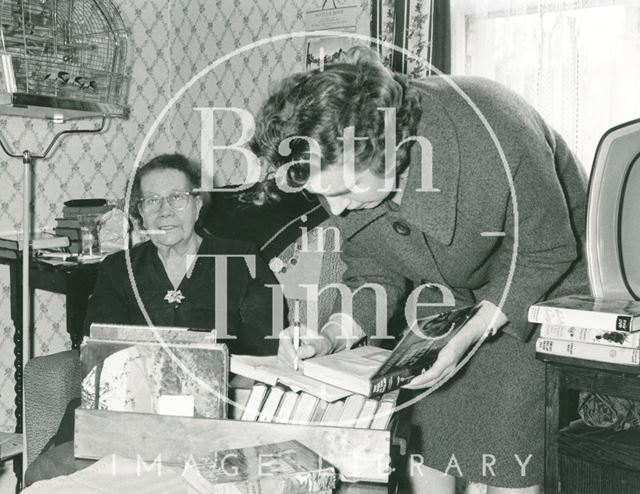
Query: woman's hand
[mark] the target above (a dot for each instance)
(488, 316)
(312, 344)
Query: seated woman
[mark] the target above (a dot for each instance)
(167, 285)
(173, 287)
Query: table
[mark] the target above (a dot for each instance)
(581, 459)
(10, 445)
(76, 282)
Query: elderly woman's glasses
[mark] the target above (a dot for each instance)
(152, 204)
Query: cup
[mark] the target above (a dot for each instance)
(90, 236)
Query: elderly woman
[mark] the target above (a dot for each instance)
(420, 192)
(175, 272)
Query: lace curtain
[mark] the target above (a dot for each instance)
(576, 61)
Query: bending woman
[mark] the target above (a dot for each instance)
(448, 224)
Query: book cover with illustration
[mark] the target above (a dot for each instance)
(370, 370)
(286, 467)
(189, 379)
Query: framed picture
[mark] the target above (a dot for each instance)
(322, 51)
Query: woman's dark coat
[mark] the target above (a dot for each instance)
(506, 230)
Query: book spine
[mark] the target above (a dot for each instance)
(292, 483)
(588, 351)
(9, 254)
(390, 382)
(581, 318)
(620, 339)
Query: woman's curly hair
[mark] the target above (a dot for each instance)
(320, 104)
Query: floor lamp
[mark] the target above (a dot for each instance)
(28, 160)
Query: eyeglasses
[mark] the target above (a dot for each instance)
(152, 204)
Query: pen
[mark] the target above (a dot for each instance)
(296, 331)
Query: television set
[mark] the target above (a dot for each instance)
(613, 214)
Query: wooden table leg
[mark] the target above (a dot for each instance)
(552, 422)
(15, 277)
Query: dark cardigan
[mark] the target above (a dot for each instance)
(247, 312)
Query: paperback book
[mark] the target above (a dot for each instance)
(621, 339)
(286, 467)
(370, 371)
(588, 312)
(589, 351)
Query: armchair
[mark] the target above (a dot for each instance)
(51, 388)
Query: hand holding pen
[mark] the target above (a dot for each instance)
(298, 342)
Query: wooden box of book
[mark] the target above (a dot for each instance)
(358, 454)
(169, 400)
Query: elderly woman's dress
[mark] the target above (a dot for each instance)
(207, 298)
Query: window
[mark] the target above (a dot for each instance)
(576, 61)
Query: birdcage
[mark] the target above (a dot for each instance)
(62, 59)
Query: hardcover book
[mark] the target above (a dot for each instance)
(175, 379)
(366, 414)
(351, 410)
(72, 212)
(369, 370)
(386, 407)
(9, 254)
(271, 404)
(588, 312)
(304, 410)
(72, 233)
(39, 240)
(254, 402)
(286, 468)
(238, 399)
(166, 334)
(286, 407)
(67, 223)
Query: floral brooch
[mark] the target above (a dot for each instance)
(174, 297)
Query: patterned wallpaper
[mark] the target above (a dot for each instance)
(170, 42)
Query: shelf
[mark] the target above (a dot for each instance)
(589, 364)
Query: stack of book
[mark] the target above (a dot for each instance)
(287, 467)
(366, 370)
(11, 243)
(584, 327)
(69, 224)
(283, 405)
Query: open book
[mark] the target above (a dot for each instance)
(370, 370)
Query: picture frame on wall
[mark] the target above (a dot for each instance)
(330, 16)
(322, 51)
